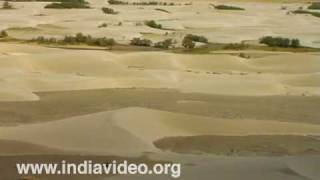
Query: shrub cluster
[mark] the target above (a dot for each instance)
(69, 4)
(79, 38)
(117, 2)
(153, 24)
(314, 5)
(108, 10)
(280, 42)
(141, 42)
(166, 44)
(225, 7)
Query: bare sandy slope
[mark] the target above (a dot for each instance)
(38, 69)
(135, 130)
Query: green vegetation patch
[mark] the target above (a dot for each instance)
(280, 42)
(265, 145)
(77, 39)
(314, 6)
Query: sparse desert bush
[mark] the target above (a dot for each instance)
(197, 38)
(225, 7)
(280, 42)
(109, 10)
(153, 24)
(103, 25)
(69, 4)
(3, 34)
(140, 42)
(316, 14)
(142, 3)
(166, 44)
(314, 5)
(7, 5)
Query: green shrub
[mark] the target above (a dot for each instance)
(153, 24)
(140, 42)
(79, 38)
(280, 42)
(225, 7)
(108, 10)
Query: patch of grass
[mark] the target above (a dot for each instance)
(79, 38)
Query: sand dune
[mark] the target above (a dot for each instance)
(38, 69)
(81, 133)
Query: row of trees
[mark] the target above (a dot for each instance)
(165, 44)
(280, 42)
(79, 38)
(190, 39)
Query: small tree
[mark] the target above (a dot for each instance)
(188, 43)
